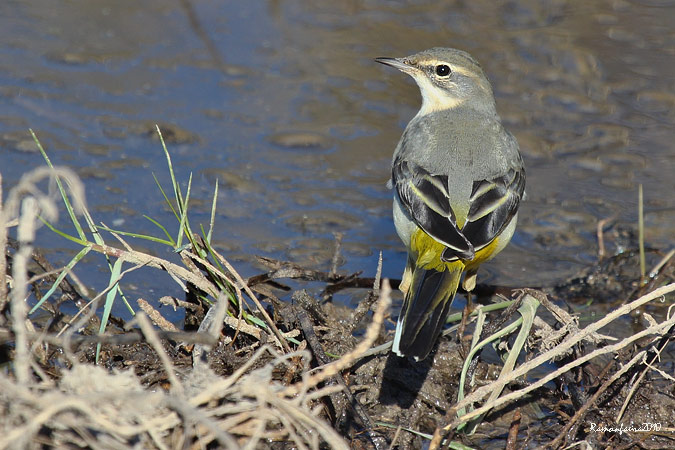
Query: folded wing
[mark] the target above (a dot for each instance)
(492, 205)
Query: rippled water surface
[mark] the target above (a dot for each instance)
(282, 103)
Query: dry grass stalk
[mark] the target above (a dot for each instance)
(331, 369)
(240, 410)
(234, 412)
(155, 316)
(241, 284)
(657, 329)
(26, 201)
(237, 411)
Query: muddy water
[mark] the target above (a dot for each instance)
(282, 103)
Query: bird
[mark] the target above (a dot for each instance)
(458, 179)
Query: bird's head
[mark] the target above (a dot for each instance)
(447, 78)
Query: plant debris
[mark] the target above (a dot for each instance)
(253, 371)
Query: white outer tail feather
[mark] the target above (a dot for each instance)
(397, 341)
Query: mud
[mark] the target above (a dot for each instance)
(379, 400)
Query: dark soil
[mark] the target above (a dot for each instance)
(387, 397)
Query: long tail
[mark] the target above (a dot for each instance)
(425, 309)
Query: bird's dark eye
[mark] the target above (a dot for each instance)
(442, 70)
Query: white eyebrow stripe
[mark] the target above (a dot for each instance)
(463, 71)
(455, 68)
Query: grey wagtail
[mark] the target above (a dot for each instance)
(458, 178)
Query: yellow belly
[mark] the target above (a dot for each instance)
(427, 253)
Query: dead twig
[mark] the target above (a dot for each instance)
(241, 284)
(601, 235)
(568, 343)
(128, 337)
(153, 339)
(512, 438)
(366, 304)
(140, 258)
(329, 370)
(156, 316)
(322, 358)
(653, 273)
(648, 365)
(563, 434)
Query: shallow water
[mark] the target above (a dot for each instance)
(282, 103)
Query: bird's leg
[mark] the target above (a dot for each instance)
(468, 284)
(406, 279)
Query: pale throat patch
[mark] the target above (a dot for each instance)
(433, 98)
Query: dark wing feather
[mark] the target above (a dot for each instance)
(493, 204)
(426, 198)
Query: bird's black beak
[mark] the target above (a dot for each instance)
(395, 62)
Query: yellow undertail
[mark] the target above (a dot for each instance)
(429, 285)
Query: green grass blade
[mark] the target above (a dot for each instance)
(527, 310)
(93, 228)
(145, 237)
(174, 183)
(64, 234)
(82, 253)
(209, 249)
(213, 214)
(109, 300)
(257, 322)
(62, 191)
(125, 301)
(166, 197)
(456, 317)
(184, 227)
(161, 227)
(465, 368)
